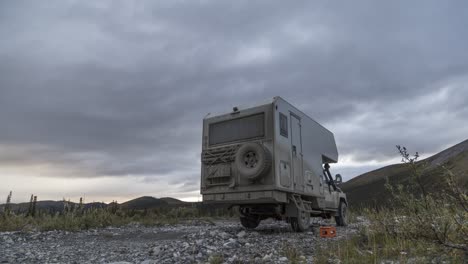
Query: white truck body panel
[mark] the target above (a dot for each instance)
(317, 146)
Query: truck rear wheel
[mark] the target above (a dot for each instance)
(301, 222)
(249, 222)
(342, 218)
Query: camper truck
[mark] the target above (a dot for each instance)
(271, 161)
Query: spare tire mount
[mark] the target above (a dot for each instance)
(253, 160)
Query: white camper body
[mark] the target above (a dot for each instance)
(272, 161)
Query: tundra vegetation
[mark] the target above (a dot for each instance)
(75, 216)
(417, 225)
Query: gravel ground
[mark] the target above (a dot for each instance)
(190, 242)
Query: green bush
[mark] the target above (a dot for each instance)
(417, 225)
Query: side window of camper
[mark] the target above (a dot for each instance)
(283, 125)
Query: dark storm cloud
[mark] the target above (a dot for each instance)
(120, 87)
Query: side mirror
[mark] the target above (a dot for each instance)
(338, 179)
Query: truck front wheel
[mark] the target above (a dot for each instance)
(342, 217)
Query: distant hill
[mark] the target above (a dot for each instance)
(141, 203)
(369, 188)
(144, 202)
(173, 201)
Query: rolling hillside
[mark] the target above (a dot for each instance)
(144, 202)
(173, 201)
(369, 189)
(141, 203)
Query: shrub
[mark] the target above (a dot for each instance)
(293, 255)
(418, 225)
(216, 259)
(436, 217)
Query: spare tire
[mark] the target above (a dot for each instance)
(253, 161)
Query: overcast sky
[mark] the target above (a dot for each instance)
(105, 99)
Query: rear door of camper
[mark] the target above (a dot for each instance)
(296, 152)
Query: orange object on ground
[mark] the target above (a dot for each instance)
(327, 231)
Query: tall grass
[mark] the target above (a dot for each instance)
(74, 218)
(93, 218)
(292, 253)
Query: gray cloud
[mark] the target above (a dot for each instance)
(118, 88)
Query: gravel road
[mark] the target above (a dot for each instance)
(191, 242)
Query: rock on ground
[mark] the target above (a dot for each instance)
(181, 243)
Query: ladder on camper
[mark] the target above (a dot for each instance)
(302, 205)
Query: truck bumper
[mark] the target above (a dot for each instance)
(247, 197)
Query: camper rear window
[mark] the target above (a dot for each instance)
(248, 127)
(283, 125)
